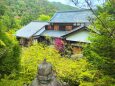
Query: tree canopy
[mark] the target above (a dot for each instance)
(101, 50)
(9, 52)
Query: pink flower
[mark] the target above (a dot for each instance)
(59, 44)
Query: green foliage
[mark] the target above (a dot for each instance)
(2, 43)
(9, 53)
(2, 9)
(63, 7)
(105, 81)
(35, 54)
(96, 70)
(103, 39)
(75, 72)
(101, 51)
(10, 23)
(44, 17)
(16, 13)
(7, 81)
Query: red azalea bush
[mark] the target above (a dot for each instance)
(59, 44)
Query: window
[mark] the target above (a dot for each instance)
(68, 28)
(56, 27)
(48, 27)
(62, 27)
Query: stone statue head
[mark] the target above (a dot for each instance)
(45, 72)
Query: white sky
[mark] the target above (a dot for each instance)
(68, 2)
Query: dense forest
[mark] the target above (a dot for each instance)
(16, 13)
(18, 65)
(63, 7)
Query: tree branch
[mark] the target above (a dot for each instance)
(103, 24)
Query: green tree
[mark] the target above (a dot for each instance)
(44, 17)
(9, 52)
(2, 10)
(101, 51)
(25, 10)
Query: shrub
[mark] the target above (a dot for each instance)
(9, 53)
(75, 72)
(6, 81)
(59, 45)
(66, 69)
(105, 81)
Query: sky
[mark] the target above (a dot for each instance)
(97, 2)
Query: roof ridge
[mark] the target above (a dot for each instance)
(53, 16)
(74, 30)
(78, 10)
(39, 21)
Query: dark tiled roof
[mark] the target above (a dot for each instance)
(72, 16)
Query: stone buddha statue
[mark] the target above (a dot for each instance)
(45, 76)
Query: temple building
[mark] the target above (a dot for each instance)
(70, 26)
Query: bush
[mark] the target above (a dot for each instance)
(75, 72)
(7, 81)
(9, 53)
(66, 69)
(105, 81)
